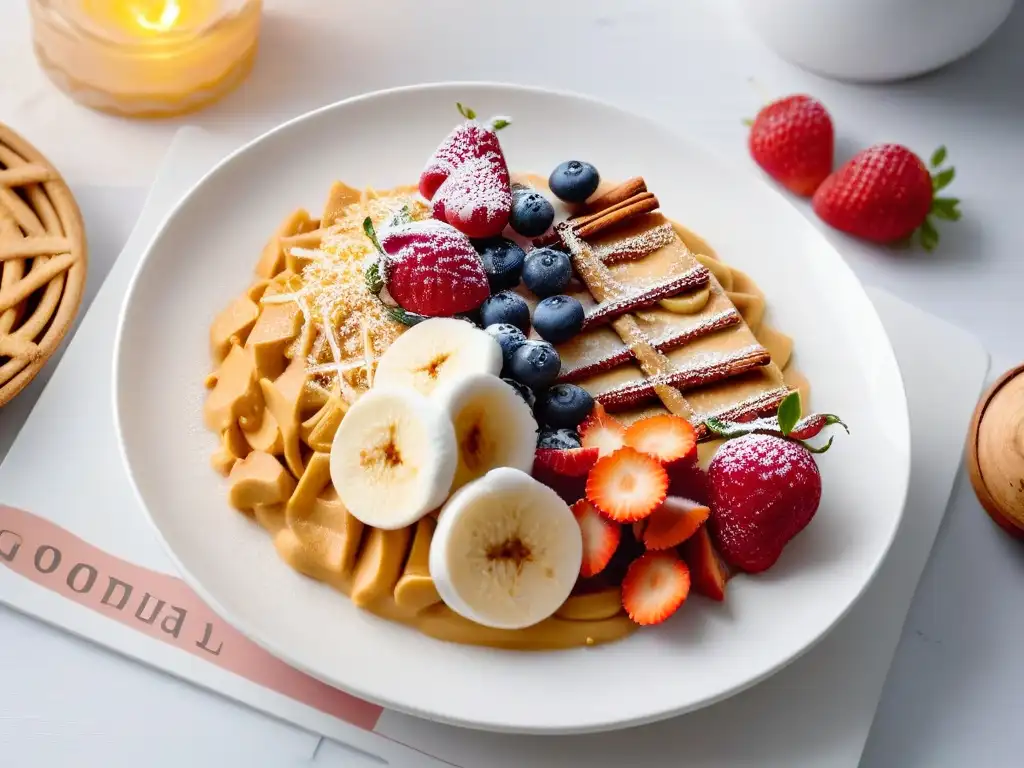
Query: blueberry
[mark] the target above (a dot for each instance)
(561, 439)
(547, 271)
(503, 262)
(535, 364)
(564, 406)
(509, 338)
(532, 213)
(523, 391)
(506, 307)
(558, 318)
(574, 181)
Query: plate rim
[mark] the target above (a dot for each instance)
(483, 724)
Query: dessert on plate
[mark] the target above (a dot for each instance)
(509, 410)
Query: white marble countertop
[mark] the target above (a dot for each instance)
(953, 695)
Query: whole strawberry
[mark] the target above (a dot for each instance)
(792, 140)
(428, 267)
(886, 193)
(468, 140)
(764, 490)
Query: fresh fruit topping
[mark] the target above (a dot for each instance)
(436, 351)
(787, 422)
(509, 338)
(572, 462)
(428, 267)
(523, 391)
(763, 490)
(666, 437)
(558, 318)
(793, 141)
(600, 537)
(627, 485)
(507, 308)
(574, 181)
(676, 520)
(688, 480)
(507, 550)
(688, 303)
(708, 572)
(602, 431)
(393, 457)
(493, 426)
(536, 364)
(467, 141)
(885, 193)
(564, 406)
(476, 197)
(532, 213)
(547, 272)
(656, 584)
(503, 262)
(559, 439)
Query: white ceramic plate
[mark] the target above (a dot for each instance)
(203, 255)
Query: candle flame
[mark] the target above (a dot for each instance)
(168, 17)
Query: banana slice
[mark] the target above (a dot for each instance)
(494, 427)
(436, 351)
(507, 551)
(688, 303)
(393, 457)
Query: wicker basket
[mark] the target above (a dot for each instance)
(43, 262)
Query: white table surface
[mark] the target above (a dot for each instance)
(957, 685)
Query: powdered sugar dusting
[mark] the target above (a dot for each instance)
(477, 184)
(636, 246)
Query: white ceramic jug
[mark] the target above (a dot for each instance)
(874, 40)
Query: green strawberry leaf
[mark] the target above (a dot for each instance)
(822, 449)
(748, 122)
(928, 235)
(726, 429)
(500, 122)
(402, 216)
(789, 412)
(938, 157)
(372, 234)
(945, 208)
(465, 111)
(404, 316)
(942, 179)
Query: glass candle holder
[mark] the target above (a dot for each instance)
(146, 58)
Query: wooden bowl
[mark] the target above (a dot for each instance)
(995, 451)
(43, 262)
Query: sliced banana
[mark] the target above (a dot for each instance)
(494, 427)
(393, 457)
(688, 303)
(436, 351)
(506, 552)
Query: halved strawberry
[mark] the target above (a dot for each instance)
(689, 481)
(600, 538)
(656, 584)
(627, 485)
(601, 431)
(707, 569)
(676, 520)
(573, 462)
(667, 437)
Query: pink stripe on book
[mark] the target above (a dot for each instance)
(160, 606)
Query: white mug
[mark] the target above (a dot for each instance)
(874, 40)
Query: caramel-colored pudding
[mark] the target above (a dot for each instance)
(295, 350)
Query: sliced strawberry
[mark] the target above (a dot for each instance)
(574, 462)
(600, 538)
(601, 431)
(689, 481)
(676, 520)
(707, 569)
(667, 438)
(656, 584)
(627, 485)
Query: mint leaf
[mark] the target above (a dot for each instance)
(372, 234)
(938, 157)
(465, 111)
(942, 179)
(929, 236)
(789, 412)
(404, 316)
(403, 216)
(374, 280)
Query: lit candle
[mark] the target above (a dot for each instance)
(146, 57)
